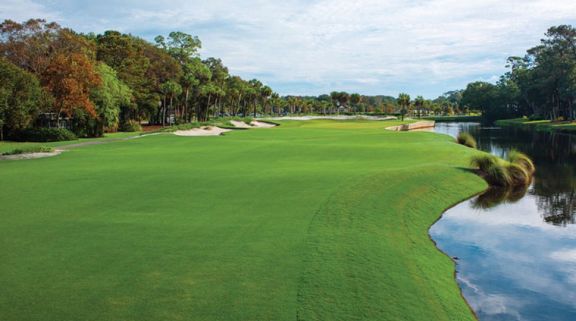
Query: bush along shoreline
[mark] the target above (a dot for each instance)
(517, 170)
(466, 139)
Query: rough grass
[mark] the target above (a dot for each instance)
(27, 150)
(522, 160)
(318, 220)
(8, 147)
(518, 174)
(517, 170)
(466, 139)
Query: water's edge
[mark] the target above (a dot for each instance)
(454, 262)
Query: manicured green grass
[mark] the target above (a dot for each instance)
(542, 125)
(317, 220)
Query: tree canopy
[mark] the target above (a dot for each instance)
(542, 83)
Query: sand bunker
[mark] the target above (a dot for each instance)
(239, 124)
(202, 131)
(31, 155)
(261, 124)
(417, 126)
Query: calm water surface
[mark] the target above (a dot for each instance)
(516, 249)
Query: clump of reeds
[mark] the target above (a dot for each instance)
(521, 159)
(518, 175)
(467, 140)
(516, 171)
(484, 161)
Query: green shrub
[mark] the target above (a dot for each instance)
(467, 140)
(131, 126)
(521, 159)
(536, 117)
(43, 135)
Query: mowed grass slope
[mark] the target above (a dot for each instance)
(318, 220)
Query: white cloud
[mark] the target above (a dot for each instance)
(429, 46)
(565, 255)
(20, 10)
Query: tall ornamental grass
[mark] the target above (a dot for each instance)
(517, 170)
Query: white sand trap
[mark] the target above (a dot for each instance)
(239, 124)
(31, 155)
(417, 126)
(260, 124)
(202, 131)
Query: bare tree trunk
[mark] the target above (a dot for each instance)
(239, 104)
(164, 112)
(206, 117)
(186, 97)
(171, 105)
(221, 112)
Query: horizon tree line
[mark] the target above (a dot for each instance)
(541, 84)
(51, 76)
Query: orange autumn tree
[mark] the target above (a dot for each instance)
(70, 79)
(63, 60)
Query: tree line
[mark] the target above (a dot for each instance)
(52, 76)
(541, 84)
(341, 102)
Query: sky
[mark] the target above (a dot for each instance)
(311, 47)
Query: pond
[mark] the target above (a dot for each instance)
(516, 250)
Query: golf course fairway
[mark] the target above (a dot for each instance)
(312, 220)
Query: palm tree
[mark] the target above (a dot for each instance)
(419, 104)
(404, 103)
(265, 93)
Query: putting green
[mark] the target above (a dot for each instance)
(316, 220)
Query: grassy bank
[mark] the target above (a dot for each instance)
(8, 147)
(542, 125)
(316, 220)
(447, 119)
